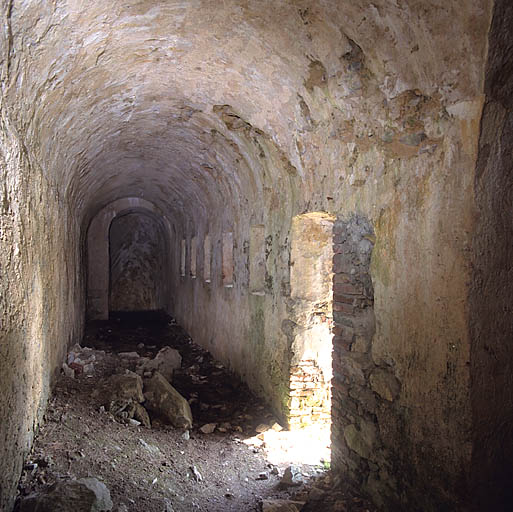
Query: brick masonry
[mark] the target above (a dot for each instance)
(310, 395)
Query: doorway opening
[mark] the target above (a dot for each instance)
(310, 315)
(311, 284)
(137, 262)
(103, 289)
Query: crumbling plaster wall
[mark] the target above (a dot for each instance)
(418, 196)
(41, 299)
(234, 114)
(404, 158)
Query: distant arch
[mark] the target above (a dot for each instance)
(98, 264)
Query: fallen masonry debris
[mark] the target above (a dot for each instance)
(199, 440)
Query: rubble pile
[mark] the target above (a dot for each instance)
(158, 427)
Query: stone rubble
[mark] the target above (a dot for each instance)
(208, 428)
(165, 362)
(165, 401)
(122, 394)
(80, 360)
(83, 495)
(282, 506)
(69, 372)
(292, 477)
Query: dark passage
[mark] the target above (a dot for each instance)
(137, 251)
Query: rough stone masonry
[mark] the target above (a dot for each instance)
(223, 124)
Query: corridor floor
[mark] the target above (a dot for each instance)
(161, 469)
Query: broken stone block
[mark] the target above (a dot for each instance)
(69, 372)
(253, 441)
(195, 474)
(385, 384)
(84, 495)
(121, 395)
(140, 414)
(77, 367)
(282, 506)
(165, 362)
(102, 494)
(291, 477)
(165, 401)
(129, 355)
(359, 441)
(123, 387)
(208, 428)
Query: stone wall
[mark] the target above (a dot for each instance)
(370, 449)
(98, 250)
(228, 116)
(41, 300)
(491, 308)
(359, 385)
(310, 317)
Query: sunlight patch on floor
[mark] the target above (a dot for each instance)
(309, 445)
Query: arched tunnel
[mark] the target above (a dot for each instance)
(296, 183)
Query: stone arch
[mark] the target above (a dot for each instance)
(98, 267)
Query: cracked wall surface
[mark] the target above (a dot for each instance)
(230, 115)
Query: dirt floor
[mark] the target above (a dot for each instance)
(163, 468)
